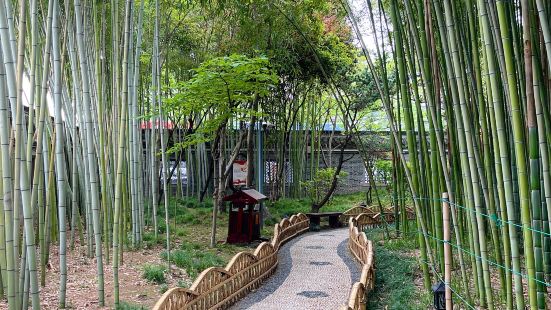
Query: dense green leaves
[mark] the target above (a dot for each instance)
(317, 187)
(223, 88)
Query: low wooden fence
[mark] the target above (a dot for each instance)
(217, 288)
(371, 218)
(362, 249)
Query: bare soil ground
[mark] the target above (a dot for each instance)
(82, 281)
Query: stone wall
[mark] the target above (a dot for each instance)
(355, 180)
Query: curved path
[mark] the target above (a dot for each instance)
(316, 271)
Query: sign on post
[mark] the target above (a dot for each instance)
(239, 172)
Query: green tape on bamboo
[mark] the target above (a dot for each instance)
(496, 219)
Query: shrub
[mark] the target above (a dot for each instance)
(207, 204)
(190, 246)
(319, 185)
(161, 227)
(184, 284)
(384, 168)
(190, 258)
(149, 240)
(181, 232)
(154, 273)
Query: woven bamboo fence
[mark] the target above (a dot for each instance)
(371, 218)
(362, 249)
(218, 288)
(355, 211)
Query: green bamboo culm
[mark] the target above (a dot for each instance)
(117, 225)
(59, 156)
(90, 152)
(408, 127)
(534, 260)
(489, 62)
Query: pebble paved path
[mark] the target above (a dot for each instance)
(316, 271)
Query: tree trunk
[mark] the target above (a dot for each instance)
(217, 157)
(335, 180)
(250, 147)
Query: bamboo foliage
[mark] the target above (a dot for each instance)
(488, 101)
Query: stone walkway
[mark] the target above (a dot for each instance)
(316, 271)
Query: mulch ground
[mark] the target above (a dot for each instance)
(82, 280)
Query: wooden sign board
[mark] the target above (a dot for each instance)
(239, 172)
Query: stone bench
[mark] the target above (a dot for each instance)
(315, 219)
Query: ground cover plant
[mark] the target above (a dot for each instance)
(398, 280)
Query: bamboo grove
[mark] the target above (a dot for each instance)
(473, 107)
(464, 84)
(68, 117)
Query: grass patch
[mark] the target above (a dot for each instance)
(184, 284)
(190, 229)
(288, 206)
(150, 241)
(394, 288)
(396, 272)
(154, 273)
(193, 258)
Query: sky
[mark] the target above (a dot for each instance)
(361, 13)
(375, 120)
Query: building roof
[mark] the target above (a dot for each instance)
(246, 196)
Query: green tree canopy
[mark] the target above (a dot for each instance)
(222, 88)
